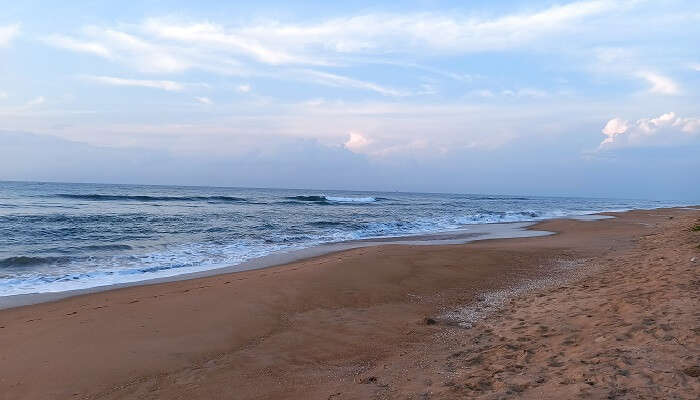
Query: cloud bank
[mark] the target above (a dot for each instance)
(665, 130)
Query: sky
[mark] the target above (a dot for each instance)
(587, 98)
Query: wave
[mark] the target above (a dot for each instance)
(26, 261)
(109, 197)
(326, 224)
(333, 199)
(490, 217)
(351, 199)
(307, 198)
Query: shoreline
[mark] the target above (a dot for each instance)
(371, 322)
(468, 234)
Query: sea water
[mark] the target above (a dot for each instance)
(59, 236)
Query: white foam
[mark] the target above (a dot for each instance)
(350, 199)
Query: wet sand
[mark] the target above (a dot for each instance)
(603, 309)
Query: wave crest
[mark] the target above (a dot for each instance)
(323, 199)
(351, 199)
(307, 198)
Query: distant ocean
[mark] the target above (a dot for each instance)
(57, 236)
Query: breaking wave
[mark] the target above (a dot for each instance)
(333, 199)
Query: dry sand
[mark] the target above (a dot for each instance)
(604, 309)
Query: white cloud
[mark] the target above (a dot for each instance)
(171, 45)
(482, 93)
(695, 67)
(278, 49)
(79, 46)
(204, 100)
(314, 102)
(525, 92)
(356, 142)
(614, 127)
(150, 57)
(207, 48)
(37, 101)
(209, 34)
(126, 48)
(8, 33)
(659, 83)
(328, 79)
(276, 42)
(22, 109)
(510, 93)
(667, 129)
(427, 89)
(3, 95)
(114, 81)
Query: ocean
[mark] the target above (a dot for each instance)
(60, 236)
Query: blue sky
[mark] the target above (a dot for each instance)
(572, 98)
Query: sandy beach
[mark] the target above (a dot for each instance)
(602, 309)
